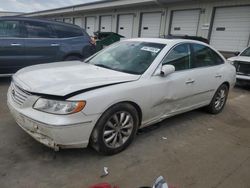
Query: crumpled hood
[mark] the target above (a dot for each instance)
(240, 58)
(63, 78)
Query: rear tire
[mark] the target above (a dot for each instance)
(116, 129)
(219, 100)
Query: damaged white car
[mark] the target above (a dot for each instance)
(103, 101)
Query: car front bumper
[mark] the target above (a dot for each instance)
(243, 77)
(54, 131)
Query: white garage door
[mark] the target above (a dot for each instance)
(67, 20)
(125, 25)
(106, 23)
(79, 22)
(231, 28)
(185, 22)
(90, 25)
(150, 25)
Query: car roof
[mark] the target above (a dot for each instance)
(166, 41)
(37, 20)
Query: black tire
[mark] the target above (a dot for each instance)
(98, 140)
(214, 107)
(72, 58)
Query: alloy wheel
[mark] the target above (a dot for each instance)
(220, 99)
(118, 129)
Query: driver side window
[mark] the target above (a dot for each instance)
(179, 57)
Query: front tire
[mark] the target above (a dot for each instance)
(219, 100)
(116, 129)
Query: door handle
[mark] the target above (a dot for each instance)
(15, 44)
(218, 76)
(54, 44)
(190, 81)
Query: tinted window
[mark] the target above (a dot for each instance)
(10, 29)
(38, 30)
(179, 57)
(246, 52)
(67, 32)
(204, 56)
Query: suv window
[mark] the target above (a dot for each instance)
(38, 30)
(204, 56)
(10, 28)
(179, 57)
(67, 32)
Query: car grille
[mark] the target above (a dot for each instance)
(18, 95)
(242, 68)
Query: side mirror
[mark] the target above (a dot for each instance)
(167, 69)
(236, 53)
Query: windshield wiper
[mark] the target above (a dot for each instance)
(103, 66)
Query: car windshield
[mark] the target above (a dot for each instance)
(128, 56)
(246, 52)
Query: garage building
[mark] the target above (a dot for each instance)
(226, 23)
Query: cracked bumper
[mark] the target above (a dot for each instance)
(54, 131)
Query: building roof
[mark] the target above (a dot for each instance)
(101, 4)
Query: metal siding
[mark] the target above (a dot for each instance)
(79, 22)
(90, 25)
(106, 24)
(125, 25)
(67, 20)
(151, 24)
(185, 22)
(231, 28)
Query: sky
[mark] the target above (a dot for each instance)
(37, 5)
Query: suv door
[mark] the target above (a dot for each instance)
(12, 50)
(207, 73)
(171, 94)
(41, 43)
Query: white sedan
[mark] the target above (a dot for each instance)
(103, 101)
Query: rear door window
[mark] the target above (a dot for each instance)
(204, 56)
(10, 29)
(67, 31)
(38, 30)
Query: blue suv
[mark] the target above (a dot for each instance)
(29, 41)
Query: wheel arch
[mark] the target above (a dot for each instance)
(134, 104)
(93, 135)
(227, 84)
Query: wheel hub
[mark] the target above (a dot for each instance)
(118, 129)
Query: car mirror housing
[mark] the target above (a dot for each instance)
(236, 53)
(167, 69)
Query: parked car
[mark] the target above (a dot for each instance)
(242, 65)
(29, 41)
(129, 85)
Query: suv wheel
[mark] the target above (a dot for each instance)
(116, 129)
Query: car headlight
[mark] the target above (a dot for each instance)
(59, 107)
